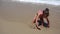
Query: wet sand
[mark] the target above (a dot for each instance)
(16, 18)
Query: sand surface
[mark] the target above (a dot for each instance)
(16, 18)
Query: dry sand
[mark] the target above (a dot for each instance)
(16, 18)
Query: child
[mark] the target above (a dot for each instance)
(38, 19)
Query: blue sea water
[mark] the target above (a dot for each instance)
(52, 2)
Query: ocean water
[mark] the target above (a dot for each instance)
(52, 2)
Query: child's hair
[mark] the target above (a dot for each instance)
(46, 11)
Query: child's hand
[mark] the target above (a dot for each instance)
(38, 28)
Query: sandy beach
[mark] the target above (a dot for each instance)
(16, 18)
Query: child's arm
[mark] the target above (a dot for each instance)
(47, 21)
(37, 22)
(34, 20)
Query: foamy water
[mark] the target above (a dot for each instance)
(52, 2)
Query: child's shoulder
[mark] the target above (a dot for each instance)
(40, 12)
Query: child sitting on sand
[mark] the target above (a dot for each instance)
(38, 19)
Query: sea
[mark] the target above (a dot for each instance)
(52, 2)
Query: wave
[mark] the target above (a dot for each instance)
(52, 2)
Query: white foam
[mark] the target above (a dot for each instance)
(53, 2)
